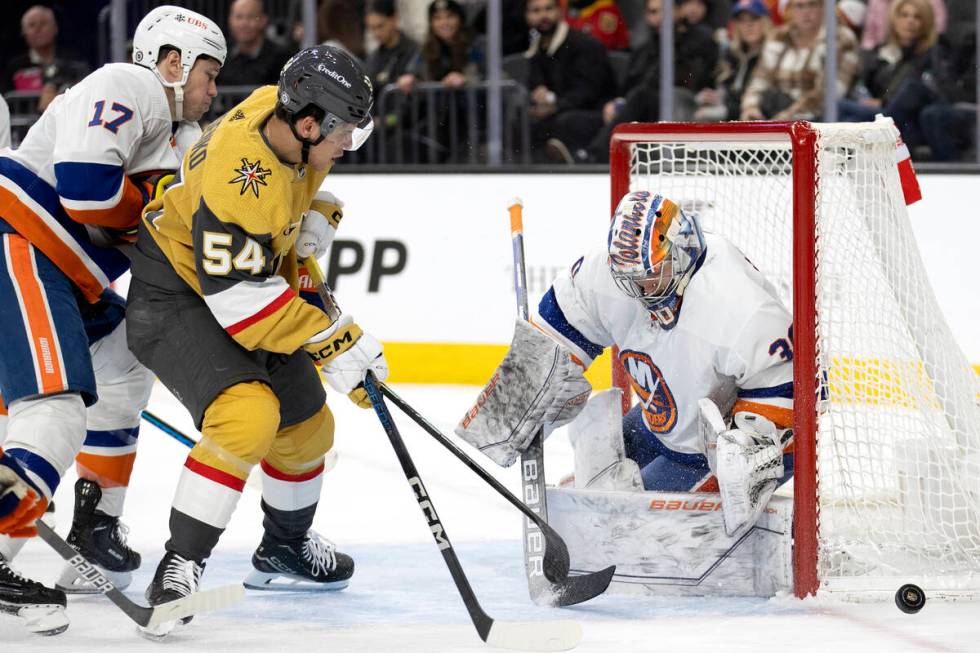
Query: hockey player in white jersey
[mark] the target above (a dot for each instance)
(701, 334)
(70, 200)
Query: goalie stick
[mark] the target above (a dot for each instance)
(560, 635)
(196, 603)
(532, 459)
(563, 590)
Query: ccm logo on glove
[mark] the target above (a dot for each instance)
(338, 343)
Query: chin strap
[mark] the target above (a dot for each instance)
(178, 102)
(307, 143)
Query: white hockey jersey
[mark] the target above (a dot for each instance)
(732, 341)
(72, 169)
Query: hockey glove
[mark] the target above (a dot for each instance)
(152, 184)
(21, 502)
(319, 225)
(345, 354)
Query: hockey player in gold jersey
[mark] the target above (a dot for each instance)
(214, 312)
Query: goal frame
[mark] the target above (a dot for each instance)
(802, 138)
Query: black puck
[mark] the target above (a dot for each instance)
(910, 598)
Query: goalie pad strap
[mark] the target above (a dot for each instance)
(536, 384)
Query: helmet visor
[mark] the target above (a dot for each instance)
(347, 135)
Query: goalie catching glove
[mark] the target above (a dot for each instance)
(748, 461)
(21, 502)
(346, 354)
(536, 385)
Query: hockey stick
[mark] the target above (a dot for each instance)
(196, 603)
(546, 636)
(172, 431)
(253, 481)
(563, 590)
(532, 459)
(543, 636)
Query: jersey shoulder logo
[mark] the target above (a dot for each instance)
(238, 115)
(251, 176)
(659, 406)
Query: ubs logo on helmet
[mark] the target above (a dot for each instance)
(334, 74)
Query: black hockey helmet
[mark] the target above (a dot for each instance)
(331, 80)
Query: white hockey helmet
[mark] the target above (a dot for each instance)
(654, 250)
(193, 34)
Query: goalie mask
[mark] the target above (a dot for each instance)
(654, 250)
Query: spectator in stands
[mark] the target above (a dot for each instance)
(397, 56)
(569, 78)
(949, 122)
(600, 19)
(514, 35)
(693, 12)
(26, 72)
(851, 14)
(254, 59)
(395, 61)
(695, 59)
(876, 20)
(451, 54)
(341, 23)
(750, 27)
(902, 76)
(787, 83)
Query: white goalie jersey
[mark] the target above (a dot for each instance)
(732, 342)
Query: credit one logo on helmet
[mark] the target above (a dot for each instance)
(333, 73)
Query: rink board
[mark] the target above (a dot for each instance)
(673, 544)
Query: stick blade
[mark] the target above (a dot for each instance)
(196, 603)
(574, 589)
(561, 635)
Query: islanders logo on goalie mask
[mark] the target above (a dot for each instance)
(654, 249)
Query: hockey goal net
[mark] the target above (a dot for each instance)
(887, 424)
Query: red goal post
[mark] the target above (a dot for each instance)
(801, 200)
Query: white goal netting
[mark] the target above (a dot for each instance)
(898, 423)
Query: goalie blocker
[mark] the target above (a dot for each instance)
(537, 385)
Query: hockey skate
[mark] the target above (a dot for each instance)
(311, 563)
(175, 578)
(41, 608)
(99, 537)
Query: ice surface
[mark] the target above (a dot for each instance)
(402, 598)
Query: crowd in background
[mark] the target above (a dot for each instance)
(588, 65)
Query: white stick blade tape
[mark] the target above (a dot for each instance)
(197, 603)
(537, 636)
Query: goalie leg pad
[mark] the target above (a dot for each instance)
(596, 436)
(537, 384)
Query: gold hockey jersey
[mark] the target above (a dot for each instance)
(228, 224)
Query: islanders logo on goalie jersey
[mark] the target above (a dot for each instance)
(659, 406)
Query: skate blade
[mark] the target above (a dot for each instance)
(276, 582)
(44, 619)
(71, 583)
